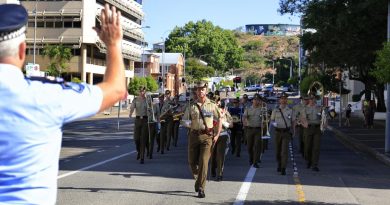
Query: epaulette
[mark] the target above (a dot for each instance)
(78, 87)
(47, 79)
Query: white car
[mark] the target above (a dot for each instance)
(252, 88)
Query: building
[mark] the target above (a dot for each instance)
(273, 29)
(70, 23)
(171, 65)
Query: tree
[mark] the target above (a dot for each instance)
(197, 71)
(59, 56)
(218, 47)
(135, 84)
(382, 63)
(347, 37)
(151, 84)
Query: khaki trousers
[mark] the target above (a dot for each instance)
(199, 150)
(141, 135)
(255, 143)
(312, 144)
(281, 147)
(218, 155)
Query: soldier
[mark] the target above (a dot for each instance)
(201, 115)
(253, 119)
(221, 146)
(159, 106)
(166, 120)
(245, 103)
(176, 120)
(281, 119)
(237, 130)
(141, 123)
(298, 128)
(153, 128)
(312, 132)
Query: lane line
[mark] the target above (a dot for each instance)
(297, 181)
(95, 165)
(241, 196)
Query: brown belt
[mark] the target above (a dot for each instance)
(202, 132)
(314, 125)
(141, 117)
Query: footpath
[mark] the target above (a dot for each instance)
(366, 140)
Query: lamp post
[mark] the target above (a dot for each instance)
(273, 72)
(291, 63)
(387, 138)
(35, 30)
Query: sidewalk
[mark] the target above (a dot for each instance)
(369, 141)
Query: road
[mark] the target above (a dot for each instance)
(98, 166)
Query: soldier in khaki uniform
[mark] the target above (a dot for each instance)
(153, 120)
(281, 119)
(159, 106)
(141, 123)
(312, 133)
(220, 147)
(201, 135)
(253, 119)
(298, 128)
(166, 120)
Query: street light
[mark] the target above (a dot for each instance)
(273, 72)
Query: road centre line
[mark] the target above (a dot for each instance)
(297, 181)
(95, 165)
(241, 196)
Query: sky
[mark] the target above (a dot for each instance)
(163, 15)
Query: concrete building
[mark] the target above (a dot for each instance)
(273, 29)
(70, 23)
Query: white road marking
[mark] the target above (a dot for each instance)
(94, 165)
(241, 196)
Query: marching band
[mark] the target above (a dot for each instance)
(244, 121)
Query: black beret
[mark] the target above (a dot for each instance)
(13, 18)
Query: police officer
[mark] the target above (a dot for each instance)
(36, 108)
(141, 134)
(253, 119)
(312, 132)
(221, 146)
(281, 119)
(298, 128)
(201, 115)
(166, 120)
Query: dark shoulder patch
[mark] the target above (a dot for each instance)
(78, 87)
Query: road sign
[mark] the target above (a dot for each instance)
(32, 69)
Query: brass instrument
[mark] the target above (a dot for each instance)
(149, 105)
(167, 113)
(265, 122)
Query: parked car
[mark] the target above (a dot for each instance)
(252, 88)
(268, 88)
(225, 88)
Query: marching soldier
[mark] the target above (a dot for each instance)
(153, 128)
(281, 119)
(312, 133)
(176, 120)
(245, 103)
(199, 117)
(221, 146)
(237, 130)
(253, 120)
(159, 106)
(141, 123)
(166, 120)
(298, 128)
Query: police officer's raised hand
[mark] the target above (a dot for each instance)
(215, 138)
(110, 31)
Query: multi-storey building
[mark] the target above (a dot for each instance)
(71, 23)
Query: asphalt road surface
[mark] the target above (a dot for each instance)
(98, 166)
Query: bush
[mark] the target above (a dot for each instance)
(356, 98)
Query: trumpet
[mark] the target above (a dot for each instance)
(167, 113)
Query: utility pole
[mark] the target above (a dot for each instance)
(163, 67)
(35, 30)
(273, 72)
(299, 58)
(387, 139)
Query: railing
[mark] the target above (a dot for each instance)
(126, 7)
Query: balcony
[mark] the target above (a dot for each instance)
(127, 7)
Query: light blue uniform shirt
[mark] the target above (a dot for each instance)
(31, 117)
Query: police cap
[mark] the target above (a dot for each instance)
(13, 21)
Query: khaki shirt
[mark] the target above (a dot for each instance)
(312, 114)
(297, 111)
(226, 117)
(253, 116)
(277, 117)
(166, 107)
(140, 106)
(210, 112)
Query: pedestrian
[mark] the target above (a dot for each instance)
(366, 111)
(222, 145)
(281, 119)
(371, 113)
(34, 110)
(141, 123)
(202, 135)
(253, 119)
(348, 111)
(311, 118)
